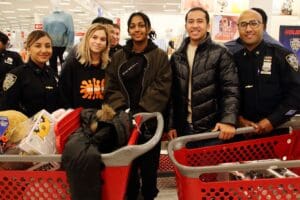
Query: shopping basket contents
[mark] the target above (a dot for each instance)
(265, 168)
(50, 185)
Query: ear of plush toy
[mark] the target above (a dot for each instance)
(106, 113)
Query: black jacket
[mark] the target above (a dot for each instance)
(8, 61)
(109, 135)
(29, 89)
(155, 84)
(215, 94)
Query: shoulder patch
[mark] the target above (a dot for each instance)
(9, 81)
(295, 44)
(293, 61)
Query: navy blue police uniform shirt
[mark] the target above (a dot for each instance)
(269, 82)
(8, 61)
(30, 89)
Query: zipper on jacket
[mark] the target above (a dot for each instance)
(147, 67)
(122, 84)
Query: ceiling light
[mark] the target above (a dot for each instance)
(75, 10)
(128, 6)
(111, 2)
(5, 3)
(8, 11)
(64, 3)
(41, 7)
(116, 9)
(23, 9)
(172, 4)
(170, 10)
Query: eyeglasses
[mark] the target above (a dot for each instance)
(253, 24)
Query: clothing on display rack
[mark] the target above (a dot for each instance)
(59, 25)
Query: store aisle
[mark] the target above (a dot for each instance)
(167, 188)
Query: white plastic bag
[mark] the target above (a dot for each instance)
(41, 138)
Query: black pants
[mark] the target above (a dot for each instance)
(83, 166)
(57, 53)
(145, 168)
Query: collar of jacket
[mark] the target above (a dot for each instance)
(129, 46)
(257, 50)
(202, 45)
(37, 69)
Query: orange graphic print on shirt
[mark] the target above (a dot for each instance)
(92, 89)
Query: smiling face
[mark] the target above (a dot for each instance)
(98, 41)
(196, 26)
(40, 51)
(250, 29)
(116, 37)
(138, 29)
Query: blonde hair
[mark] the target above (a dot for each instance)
(83, 50)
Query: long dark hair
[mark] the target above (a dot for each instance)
(152, 34)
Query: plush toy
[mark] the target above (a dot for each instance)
(105, 114)
(15, 131)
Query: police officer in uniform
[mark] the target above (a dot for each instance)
(8, 59)
(269, 77)
(33, 86)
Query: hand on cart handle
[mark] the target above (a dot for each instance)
(226, 131)
(172, 134)
(263, 126)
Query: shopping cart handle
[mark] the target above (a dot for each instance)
(195, 172)
(125, 155)
(181, 141)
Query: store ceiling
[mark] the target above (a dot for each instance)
(23, 14)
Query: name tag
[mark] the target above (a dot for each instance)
(49, 87)
(248, 86)
(267, 66)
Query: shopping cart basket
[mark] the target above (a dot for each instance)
(50, 185)
(199, 171)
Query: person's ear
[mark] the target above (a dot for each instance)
(208, 27)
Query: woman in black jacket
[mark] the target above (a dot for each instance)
(32, 87)
(139, 78)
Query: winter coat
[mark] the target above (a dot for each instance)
(156, 83)
(215, 92)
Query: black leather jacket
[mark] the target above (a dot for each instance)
(215, 92)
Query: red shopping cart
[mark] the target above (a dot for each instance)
(50, 185)
(201, 173)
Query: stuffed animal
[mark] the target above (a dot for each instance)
(105, 114)
(15, 131)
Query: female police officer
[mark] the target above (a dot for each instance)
(32, 86)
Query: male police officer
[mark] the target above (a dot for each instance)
(269, 77)
(8, 59)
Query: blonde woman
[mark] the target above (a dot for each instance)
(82, 78)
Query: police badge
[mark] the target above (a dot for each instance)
(9, 81)
(295, 44)
(293, 61)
